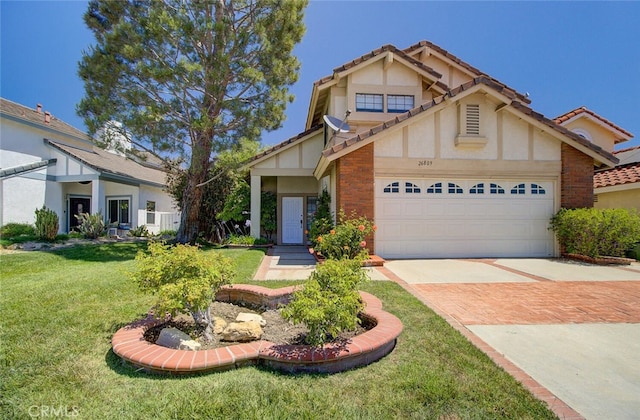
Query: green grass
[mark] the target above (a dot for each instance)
(60, 309)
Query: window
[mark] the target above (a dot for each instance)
(537, 189)
(411, 188)
(435, 188)
(369, 102)
(473, 119)
(394, 187)
(496, 189)
(312, 208)
(518, 189)
(454, 189)
(477, 189)
(118, 210)
(151, 212)
(399, 103)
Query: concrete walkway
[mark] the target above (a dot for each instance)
(569, 331)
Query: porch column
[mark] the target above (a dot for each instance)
(256, 186)
(97, 194)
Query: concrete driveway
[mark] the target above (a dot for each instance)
(566, 330)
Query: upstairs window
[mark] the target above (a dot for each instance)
(399, 103)
(454, 189)
(435, 188)
(411, 188)
(394, 187)
(477, 189)
(369, 102)
(495, 189)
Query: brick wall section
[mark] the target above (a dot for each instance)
(355, 185)
(576, 179)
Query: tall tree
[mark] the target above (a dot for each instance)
(190, 79)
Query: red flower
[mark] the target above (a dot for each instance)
(361, 228)
(363, 244)
(333, 232)
(319, 239)
(375, 227)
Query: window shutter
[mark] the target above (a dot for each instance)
(473, 120)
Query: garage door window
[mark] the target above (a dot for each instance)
(394, 187)
(477, 189)
(454, 189)
(537, 189)
(496, 189)
(435, 188)
(411, 188)
(518, 189)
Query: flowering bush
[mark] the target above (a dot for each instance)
(347, 239)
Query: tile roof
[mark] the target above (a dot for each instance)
(287, 142)
(584, 110)
(629, 155)
(620, 175)
(112, 164)
(32, 116)
(461, 63)
(493, 84)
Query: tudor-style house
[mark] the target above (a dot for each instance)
(46, 162)
(446, 160)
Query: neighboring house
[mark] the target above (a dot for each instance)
(44, 161)
(620, 187)
(446, 160)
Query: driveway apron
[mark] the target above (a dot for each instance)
(568, 331)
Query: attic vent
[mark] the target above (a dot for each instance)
(473, 120)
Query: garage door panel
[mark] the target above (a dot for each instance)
(443, 225)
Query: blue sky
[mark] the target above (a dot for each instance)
(564, 54)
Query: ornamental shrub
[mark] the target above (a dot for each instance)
(14, 230)
(47, 224)
(347, 239)
(597, 232)
(184, 279)
(329, 303)
(90, 226)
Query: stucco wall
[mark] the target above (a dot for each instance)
(629, 199)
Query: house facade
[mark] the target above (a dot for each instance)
(44, 161)
(446, 160)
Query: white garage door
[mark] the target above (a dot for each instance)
(441, 218)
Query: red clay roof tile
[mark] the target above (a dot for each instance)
(584, 110)
(624, 174)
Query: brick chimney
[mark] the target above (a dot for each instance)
(39, 108)
(47, 117)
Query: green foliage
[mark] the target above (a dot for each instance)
(634, 252)
(139, 232)
(268, 215)
(47, 224)
(597, 232)
(15, 230)
(245, 240)
(91, 226)
(238, 203)
(347, 239)
(323, 219)
(329, 303)
(190, 79)
(183, 278)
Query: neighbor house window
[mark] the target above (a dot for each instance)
(118, 210)
(399, 103)
(369, 102)
(151, 212)
(410, 187)
(435, 188)
(454, 189)
(394, 187)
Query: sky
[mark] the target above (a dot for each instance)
(564, 54)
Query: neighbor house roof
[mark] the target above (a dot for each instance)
(625, 135)
(111, 164)
(37, 118)
(492, 84)
(626, 172)
(289, 141)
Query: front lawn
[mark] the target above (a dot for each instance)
(60, 309)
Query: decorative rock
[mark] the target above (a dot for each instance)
(219, 325)
(242, 331)
(246, 317)
(173, 338)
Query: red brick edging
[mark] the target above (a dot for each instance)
(129, 343)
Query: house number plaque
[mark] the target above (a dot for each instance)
(425, 163)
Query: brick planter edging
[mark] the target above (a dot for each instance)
(363, 349)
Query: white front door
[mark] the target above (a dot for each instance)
(292, 220)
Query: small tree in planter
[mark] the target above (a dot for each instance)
(184, 279)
